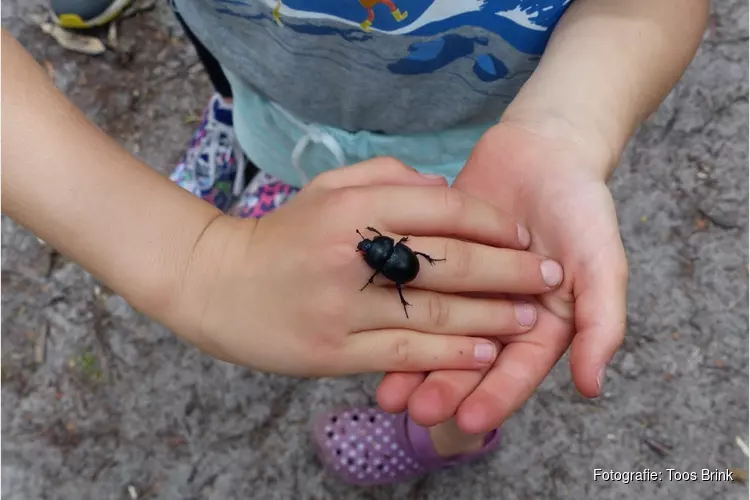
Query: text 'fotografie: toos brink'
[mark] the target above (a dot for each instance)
(664, 475)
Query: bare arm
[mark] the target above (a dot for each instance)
(80, 191)
(608, 65)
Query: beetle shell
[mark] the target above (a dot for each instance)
(402, 265)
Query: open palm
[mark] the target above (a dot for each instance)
(551, 186)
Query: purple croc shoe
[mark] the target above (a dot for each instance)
(369, 446)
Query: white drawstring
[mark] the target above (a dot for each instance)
(315, 135)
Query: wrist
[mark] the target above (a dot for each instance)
(214, 254)
(598, 151)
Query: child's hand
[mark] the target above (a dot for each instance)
(283, 294)
(556, 187)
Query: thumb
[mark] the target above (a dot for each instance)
(381, 170)
(600, 312)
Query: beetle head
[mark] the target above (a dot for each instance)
(364, 246)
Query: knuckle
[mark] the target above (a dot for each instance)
(520, 263)
(392, 164)
(401, 351)
(460, 259)
(454, 203)
(337, 258)
(333, 308)
(325, 180)
(438, 311)
(342, 200)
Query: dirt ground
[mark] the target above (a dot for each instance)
(116, 404)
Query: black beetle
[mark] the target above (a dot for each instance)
(392, 259)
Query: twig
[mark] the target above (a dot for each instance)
(40, 347)
(659, 448)
(742, 446)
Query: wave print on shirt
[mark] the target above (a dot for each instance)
(526, 25)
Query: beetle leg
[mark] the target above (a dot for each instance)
(371, 280)
(429, 259)
(404, 303)
(374, 230)
(404, 239)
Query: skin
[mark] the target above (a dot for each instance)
(607, 67)
(223, 284)
(641, 48)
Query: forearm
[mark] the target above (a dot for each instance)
(609, 64)
(81, 192)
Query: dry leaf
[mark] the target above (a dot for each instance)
(73, 41)
(112, 36)
(740, 475)
(50, 70)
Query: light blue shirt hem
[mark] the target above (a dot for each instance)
(268, 135)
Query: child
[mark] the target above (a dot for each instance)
(282, 294)
(315, 85)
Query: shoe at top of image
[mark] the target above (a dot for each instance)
(82, 14)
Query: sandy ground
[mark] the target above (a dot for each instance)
(118, 402)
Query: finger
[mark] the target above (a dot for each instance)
(437, 399)
(431, 398)
(518, 371)
(442, 211)
(440, 313)
(381, 170)
(409, 351)
(395, 389)
(472, 267)
(600, 309)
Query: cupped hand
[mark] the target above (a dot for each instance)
(283, 294)
(555, 186)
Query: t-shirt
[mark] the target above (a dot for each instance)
(411, 69)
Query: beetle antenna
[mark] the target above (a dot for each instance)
(360, 235)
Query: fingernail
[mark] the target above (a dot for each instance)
(552, 273)
(524, 237)
(600, 377)
(430, 176)
(525, 314)
(484, 353)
